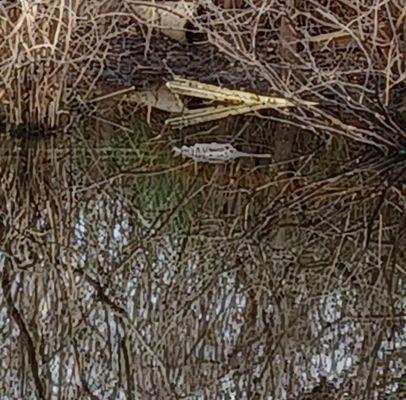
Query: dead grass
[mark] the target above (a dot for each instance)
(348, 55)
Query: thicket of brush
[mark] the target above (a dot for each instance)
(128, 274)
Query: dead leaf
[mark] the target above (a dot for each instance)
(170, 17)
(336, 39)
(159, 97)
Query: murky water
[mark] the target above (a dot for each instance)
(136, 274)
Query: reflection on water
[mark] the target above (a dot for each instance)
(142, 275)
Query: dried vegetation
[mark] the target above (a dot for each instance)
(126, 274)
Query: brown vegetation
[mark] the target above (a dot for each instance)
(126, 273)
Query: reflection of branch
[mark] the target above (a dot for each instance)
(127, 367)
(123, 316)
(83, 381)
(24, 333)
(188, 195)
(128, 174)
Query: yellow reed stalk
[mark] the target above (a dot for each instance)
(211, 92)
(213, 113)
(234, 102)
